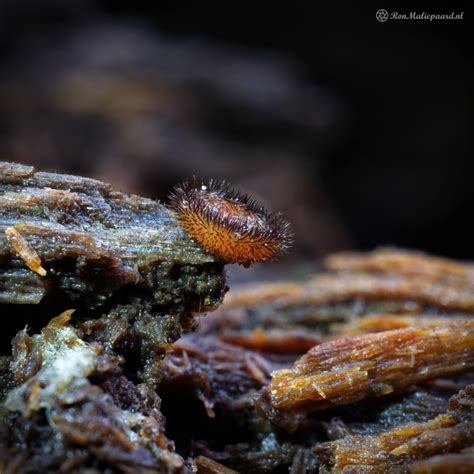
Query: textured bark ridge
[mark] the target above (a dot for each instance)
(90, 239)
(123, 262)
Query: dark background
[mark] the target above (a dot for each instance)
(364, 142)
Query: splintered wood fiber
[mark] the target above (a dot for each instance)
(350, 369)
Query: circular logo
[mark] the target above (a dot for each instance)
(382, 15)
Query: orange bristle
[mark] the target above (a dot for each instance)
(228, 223)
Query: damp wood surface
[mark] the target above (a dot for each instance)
(365, 366)
(78, 227)
(405, 317)
(79, 389)
(450, 431)
(351, 369)
(122, 261)
(382, 290)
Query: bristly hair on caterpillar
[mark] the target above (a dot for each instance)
(228, 223)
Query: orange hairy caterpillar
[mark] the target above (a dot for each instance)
(229, 224)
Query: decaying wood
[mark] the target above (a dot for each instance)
(351, 369)
(410, 264)
(239, 393)
(90, 239)
(396, 446)
(383, 274)
(462, 463)
(451, 431)
(421, 308)
(274, 340)
(73, 410)
(208, 466)
(332, 289)
(387, 322)
(136, 279)
(383, 290)
(220, 375)
(24, 251)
